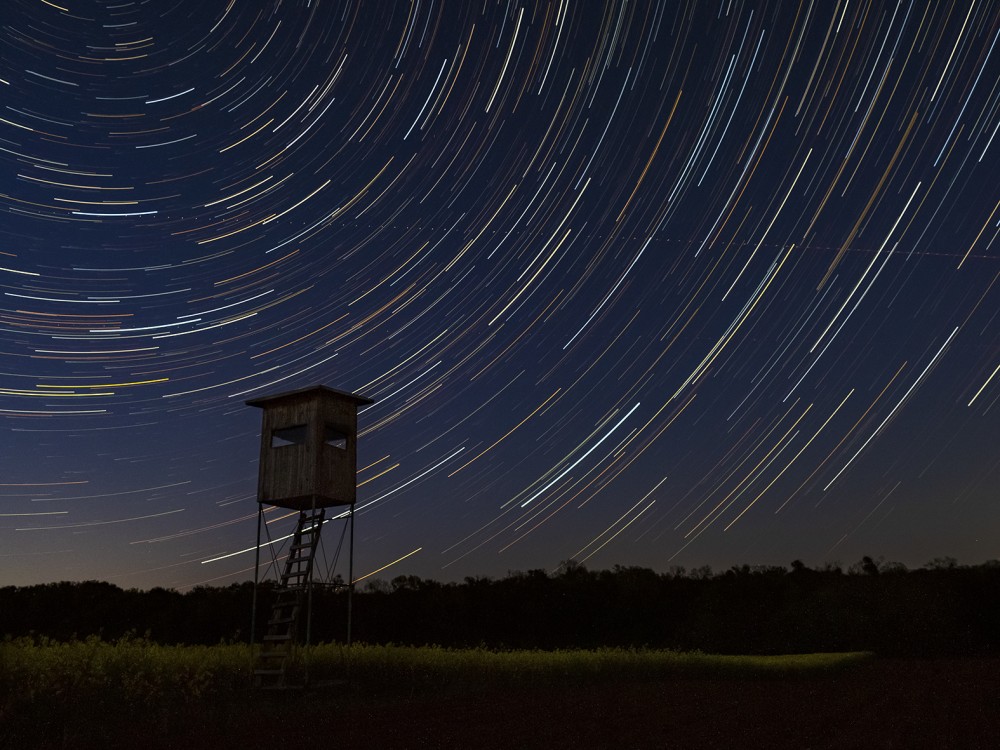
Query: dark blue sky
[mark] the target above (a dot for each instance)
(651, 284)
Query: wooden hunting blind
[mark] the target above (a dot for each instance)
(308, 463)
(308, 448)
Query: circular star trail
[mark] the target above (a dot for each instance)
(635, 283)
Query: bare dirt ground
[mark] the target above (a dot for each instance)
(886, 703)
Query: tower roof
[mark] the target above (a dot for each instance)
(321, 391)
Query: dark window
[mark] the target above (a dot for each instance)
(335, 437)
(282, 436)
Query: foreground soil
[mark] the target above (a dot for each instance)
(884, 703)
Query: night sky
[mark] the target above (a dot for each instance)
(658, 284)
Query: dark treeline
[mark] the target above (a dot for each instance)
(940, 609)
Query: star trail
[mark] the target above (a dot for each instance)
(641, 283)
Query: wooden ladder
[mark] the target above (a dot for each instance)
(277, 649)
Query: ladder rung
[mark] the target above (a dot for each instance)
(281, 637)
(267, 672)
(302, 550)
(282, 620)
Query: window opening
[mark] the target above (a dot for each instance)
(282, 436)
(335, 437)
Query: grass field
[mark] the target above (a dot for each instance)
(140, 670)
(91, 694)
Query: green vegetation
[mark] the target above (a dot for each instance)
(377, 668)
(136, 671)
(129, 671)
(90, 693)
(73, 675)
(944, 609)
(85, 693)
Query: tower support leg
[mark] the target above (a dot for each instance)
(350, 573)
(256, 580)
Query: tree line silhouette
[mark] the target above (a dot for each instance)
(942, 608)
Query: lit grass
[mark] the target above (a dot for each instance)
(132, 669)
(140, 668)
(86, 694)
(426, 666)
(92, 693)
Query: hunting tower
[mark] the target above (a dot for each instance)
(308, 463)
(308, 448)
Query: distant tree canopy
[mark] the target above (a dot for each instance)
(942, 608)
